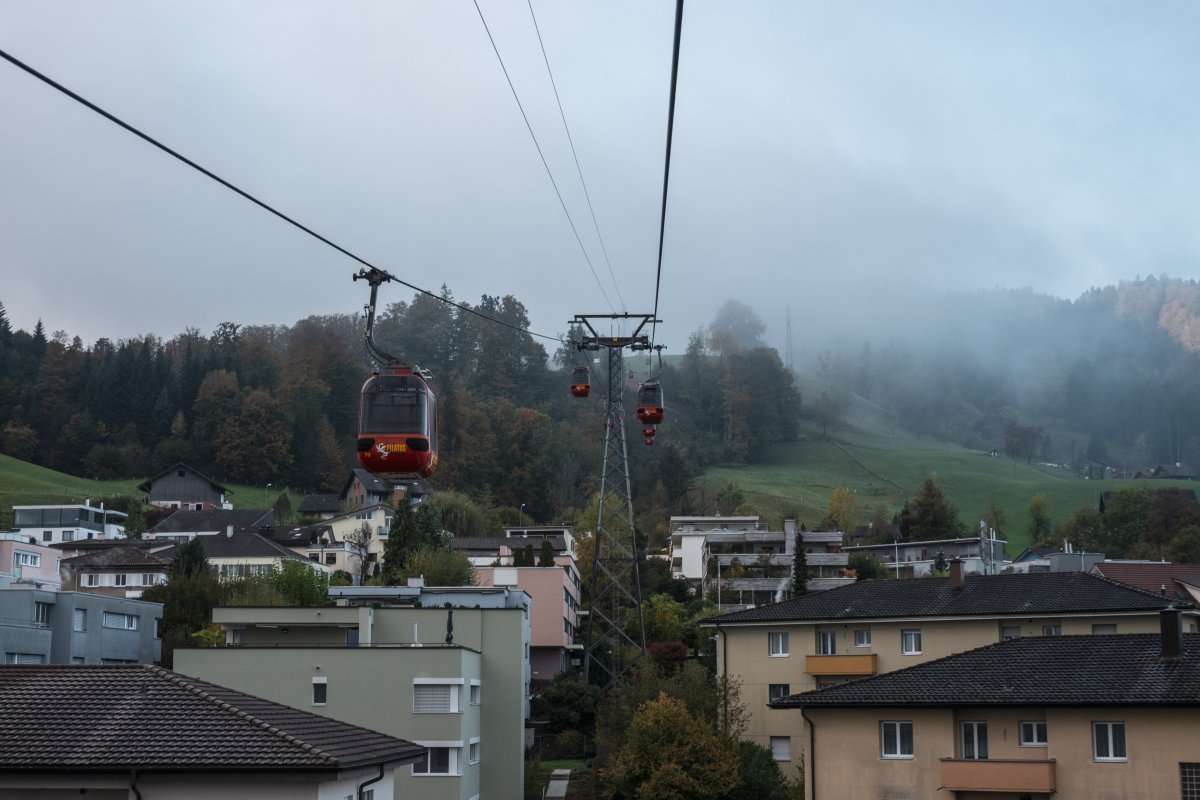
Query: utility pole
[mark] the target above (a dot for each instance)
(616, 636)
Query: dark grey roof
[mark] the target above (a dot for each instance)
(320, 503)
(370, 483)
(118, 557)
(186, 521)
(1041, 670)
(244, 545)
(134, 717)
(144, 486)
(987, 595)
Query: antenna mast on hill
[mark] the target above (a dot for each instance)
(616, 636)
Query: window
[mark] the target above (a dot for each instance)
(781, 748)
(974, 740)
(77, 660)
(68, 536)
(473, 755)
(91, 579)
(1099, 630)
(123, 621)
(826, 643)
(149, 579)
(41, 613)
(1189, 781)
(27, 559)
(79, 620)
(778, 690)
(862, 638)
(120, 579)
(437, 761)
(1108, 741)
(910, 642)
(1033, 734)
(896, 739)
(777, 644)
(320, 688)
(435, 698)
(331, 558)
(474, 693)
(1052, 630)
(24, 658)
(1010, 632)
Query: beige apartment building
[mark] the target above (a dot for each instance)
(1104, 717)
(876, 627)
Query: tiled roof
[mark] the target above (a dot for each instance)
(369, 482)
(185, 521)
(118, 557)
(988, 595)
(318, 503)
(145, 717)
(1151, 577)
(244, 545)
(1036, 670)
(145, 485)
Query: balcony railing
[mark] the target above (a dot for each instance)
(840, 665)
(998, 775)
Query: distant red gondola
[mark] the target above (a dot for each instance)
(397, 425)
(650, 403)
(581, 383)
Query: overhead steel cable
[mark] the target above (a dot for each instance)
(261, 204)
(574, 155)
(542, 155)
(662, 225)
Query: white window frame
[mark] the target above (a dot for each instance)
(120, 579)
(909, 637)
(897, 728)
(862, 637)
(1036, 727)
(79, 620)
(128, 622)
(91, 579)
(1010, 632)
(973, 732)
(473, 750)
(827, 643)
(1108, 727)
(784, 689)
(475, 692)
(781, 748)
(454, 765)
(23, 559)
(778, 645)
(454, 694)
(41, 613)
(323, 682)
(1052, 630)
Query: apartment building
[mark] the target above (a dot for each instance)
(23, 560)
(50, 524)
(116, 571)
(876, 627)
(445, 668)
(1104, 717)
(41, 626)
(981, 554)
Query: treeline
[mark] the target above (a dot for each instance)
(1110, 379)
(278, 404)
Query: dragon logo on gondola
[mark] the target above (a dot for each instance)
(384, 448)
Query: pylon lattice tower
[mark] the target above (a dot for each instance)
(616, 636)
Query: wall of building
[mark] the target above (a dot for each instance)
(59, 643)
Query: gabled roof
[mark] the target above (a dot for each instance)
(118, 557)
(186, 521)
(144, 486)
(320, 504)
(1036, 670)
(1151, 577)
(987, 595)
(134, 717)
(1035, 554)
(370, 483)
(244, 545)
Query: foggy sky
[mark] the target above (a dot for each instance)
(827, 155)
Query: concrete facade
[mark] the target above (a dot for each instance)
(47, 627)
(370, 657)
(24, 560)
(554, 610)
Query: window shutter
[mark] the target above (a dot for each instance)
(431, 698)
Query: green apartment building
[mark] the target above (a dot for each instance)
(444, 668)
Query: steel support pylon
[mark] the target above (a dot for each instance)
(616, 636)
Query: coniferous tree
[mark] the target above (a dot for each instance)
(799, 567)
(546, 557)
(930, 515)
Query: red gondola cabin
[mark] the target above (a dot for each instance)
(650, 403)
(397, 426)
(581, 384)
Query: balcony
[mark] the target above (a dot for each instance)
(827, 560)
(998, 775)
(840, 665)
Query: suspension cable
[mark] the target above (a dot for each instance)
(662, 225)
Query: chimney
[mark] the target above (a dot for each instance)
(1172, 632)
(956, 574)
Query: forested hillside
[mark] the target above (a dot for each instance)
(277, 404)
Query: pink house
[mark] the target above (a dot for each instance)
(23, 560)
(553, 613)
